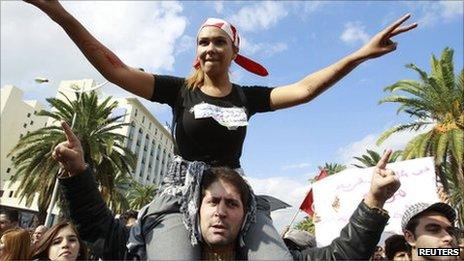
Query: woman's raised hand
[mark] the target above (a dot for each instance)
(381, 43)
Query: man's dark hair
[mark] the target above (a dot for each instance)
(128, 214)
(11, 214)
(230, 176)
(395, 244)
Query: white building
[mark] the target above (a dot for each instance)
(146, 136)
(18, 117)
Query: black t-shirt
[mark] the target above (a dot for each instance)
(211, 129)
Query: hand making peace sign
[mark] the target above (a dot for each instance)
(381, 43)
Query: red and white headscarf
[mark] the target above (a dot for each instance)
(241, 60)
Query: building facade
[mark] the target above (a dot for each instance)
(18, 117)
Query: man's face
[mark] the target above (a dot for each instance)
(221, 214)
(401, 256)
(5, 223)
(431, 232)
(38, 233)
(130, 222)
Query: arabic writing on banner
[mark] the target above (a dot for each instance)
(337, 196)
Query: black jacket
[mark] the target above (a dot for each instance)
(108, 236)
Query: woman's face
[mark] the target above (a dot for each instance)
(215, 50)
(65, 245)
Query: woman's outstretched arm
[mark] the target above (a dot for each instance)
(314, 84)
(103, 59)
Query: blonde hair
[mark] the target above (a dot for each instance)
(17, 245)
(196, 79)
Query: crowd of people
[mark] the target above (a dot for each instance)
(60, 242)
(204, 208)
(225, 200)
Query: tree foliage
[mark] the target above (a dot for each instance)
(372, 158)
(435, 101)
(36, 170)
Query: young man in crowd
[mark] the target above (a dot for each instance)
(427, 226)
(129, 217)
(397, 248)
(8, 219)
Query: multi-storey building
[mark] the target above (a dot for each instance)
(147, 138)
(18, 117)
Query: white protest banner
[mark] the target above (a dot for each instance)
(337, 196)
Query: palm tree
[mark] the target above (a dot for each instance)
(140, 195)
(333, 168)
(435, 101)
(122, 185)
(306, 224)
(103, 149)
(371, 158)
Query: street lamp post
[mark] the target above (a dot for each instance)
(79, 90)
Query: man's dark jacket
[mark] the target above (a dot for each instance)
(108, 236)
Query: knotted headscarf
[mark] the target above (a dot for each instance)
(231, 31)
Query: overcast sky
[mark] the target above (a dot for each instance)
(292, 39)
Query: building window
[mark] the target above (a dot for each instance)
(11, 194)
(20, 136)
(143, 119)
(24, 125)
(8, 169)
(29, 115)
(136, 112)
(32, 122)
(35, 112)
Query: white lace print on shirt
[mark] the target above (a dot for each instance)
(231, 118)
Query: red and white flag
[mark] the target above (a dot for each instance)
(307, 204)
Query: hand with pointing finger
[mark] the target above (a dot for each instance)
(70, 153)
(384, 183)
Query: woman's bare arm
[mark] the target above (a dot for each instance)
(314, 84)
(104, 60)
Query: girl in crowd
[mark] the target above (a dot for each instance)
(15, 244)
(210, 117)
(61, 242)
